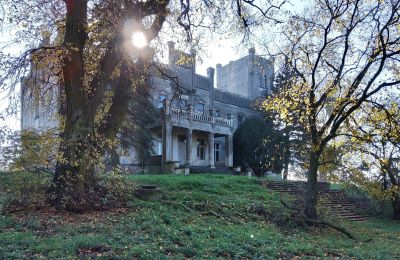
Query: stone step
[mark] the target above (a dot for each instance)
(286, 191)
(335, 201)
(357, 219)
(338, 204)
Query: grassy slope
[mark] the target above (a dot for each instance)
(159, 229)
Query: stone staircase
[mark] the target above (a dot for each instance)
(334, 203)
(206, 169)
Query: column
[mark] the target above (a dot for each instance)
(229, 151)
(211, 150)
(167, 142)
(189, 141)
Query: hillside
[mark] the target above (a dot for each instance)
(199, 216)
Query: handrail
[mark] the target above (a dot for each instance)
(200, 116)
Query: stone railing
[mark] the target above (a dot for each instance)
(200, 117)
(223, 121)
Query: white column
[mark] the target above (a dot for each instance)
(229, 151)
(167, 142)
(189, 141)
(211, 149)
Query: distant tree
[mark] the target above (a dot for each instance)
(294, 136)
(343, 53)
(135, 132)
(257, 144)
(373, 137)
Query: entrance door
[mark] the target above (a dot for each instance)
(182, 149)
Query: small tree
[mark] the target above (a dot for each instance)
(258, 145)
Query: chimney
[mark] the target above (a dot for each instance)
(251, 89)
(192, 56)
(218, 77)
(171, 45)
(171, 53)
(210, 75)
(252, 51)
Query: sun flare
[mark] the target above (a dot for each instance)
(139, 39)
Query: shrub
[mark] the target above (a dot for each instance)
(30, 150)
(258, 145)
(23, 190)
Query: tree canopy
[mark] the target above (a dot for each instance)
(343, 53)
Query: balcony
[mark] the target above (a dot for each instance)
(191, 115)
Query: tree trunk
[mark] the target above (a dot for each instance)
(74, 176)
(287, 154)
(74, 180)
(311, 198)
(396, 208)
(74, 185)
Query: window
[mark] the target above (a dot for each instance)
(199, 108)
(157, 144)
(240, 119)
(160, 101)
(179, 103)
(200, 149)
(216, 152)
(217, 113)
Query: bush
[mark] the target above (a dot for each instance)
(117, 188)
(23, 190)
(30, 150)
(258, 145)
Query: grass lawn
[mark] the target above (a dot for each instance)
(202, 216)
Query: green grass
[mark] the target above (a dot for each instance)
(159, 230)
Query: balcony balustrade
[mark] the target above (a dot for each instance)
(187, 114)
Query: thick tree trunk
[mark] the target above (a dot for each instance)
(396, 208)
(311, 198)
(74, 180)
(74, 176)
(286, 169)
(74, 185)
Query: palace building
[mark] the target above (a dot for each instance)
(196, 127)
